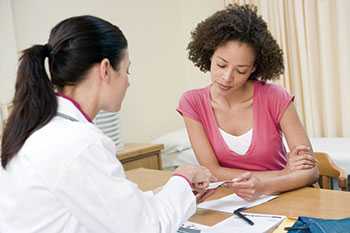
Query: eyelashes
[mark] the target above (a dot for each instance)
(221, 66)
(242, 72)
(238, 71)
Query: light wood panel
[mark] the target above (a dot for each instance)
(136, 155)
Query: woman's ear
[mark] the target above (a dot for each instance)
(104, 70)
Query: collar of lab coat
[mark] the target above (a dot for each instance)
(67, 107)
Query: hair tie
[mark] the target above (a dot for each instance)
(47, 49)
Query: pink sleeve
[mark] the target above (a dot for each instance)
(279, 101)
(187, 106)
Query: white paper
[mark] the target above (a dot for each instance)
(263, 223)
(232, 202)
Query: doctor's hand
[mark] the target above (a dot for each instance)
(247, 186)
(300, 158)
(198, 176)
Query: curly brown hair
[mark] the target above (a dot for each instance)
(237, 23)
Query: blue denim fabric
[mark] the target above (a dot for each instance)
(317, 225)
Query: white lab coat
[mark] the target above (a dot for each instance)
(66, 178)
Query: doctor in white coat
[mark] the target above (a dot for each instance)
(60, 173)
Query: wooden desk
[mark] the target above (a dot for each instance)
(306, 201)
(137, 155)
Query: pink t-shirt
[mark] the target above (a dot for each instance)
(266, 151)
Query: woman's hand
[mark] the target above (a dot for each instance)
(300, 158)
(247, 186)
(199, 178)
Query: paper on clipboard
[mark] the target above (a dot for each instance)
(263, 223)
(232, 202)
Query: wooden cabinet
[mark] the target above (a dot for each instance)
(136, 155)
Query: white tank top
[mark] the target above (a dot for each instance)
(238, 144)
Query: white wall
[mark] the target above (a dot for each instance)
(193, 12)
(158, 32)
(8, 56)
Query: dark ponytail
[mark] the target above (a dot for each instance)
(74, 46)
(34, 103)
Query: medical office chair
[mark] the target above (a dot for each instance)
(330, 172)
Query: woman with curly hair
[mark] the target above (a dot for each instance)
(236, 123)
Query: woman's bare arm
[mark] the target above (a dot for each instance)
(305, 172)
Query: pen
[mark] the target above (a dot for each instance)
(296, 228)
(209, 191)
(217, 185)
(264, 216)
(240, 215)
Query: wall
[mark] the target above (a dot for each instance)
(8, 56)
(193, 12)
(158, 32)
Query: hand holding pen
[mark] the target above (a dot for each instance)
(247, 186)
(212, 187)
(198, 177)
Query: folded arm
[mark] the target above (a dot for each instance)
(300, 171)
